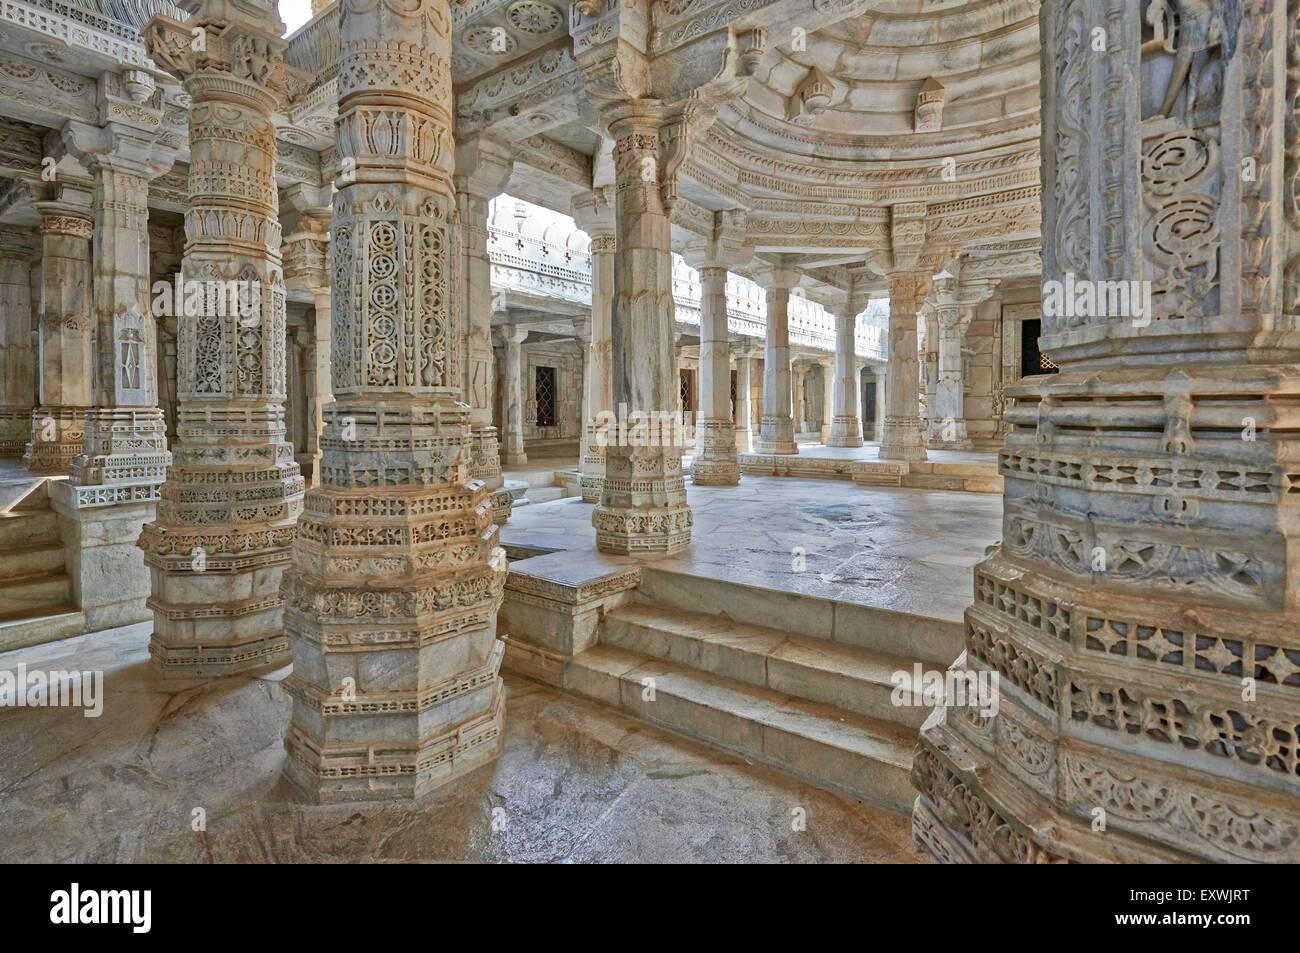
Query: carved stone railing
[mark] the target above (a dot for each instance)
(534, 266)
(107, 27)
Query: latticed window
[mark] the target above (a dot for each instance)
(733, 395)
(544, 390)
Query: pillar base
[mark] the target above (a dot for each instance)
(715, 461)
(592, 465)
(514, 459)
(57, 436)
(648, 531)
(776, 435)
(15, 428)
(123, 445)
(845, 432)
(110, 582)
(387, 766)
(485, 456)
(902, 440)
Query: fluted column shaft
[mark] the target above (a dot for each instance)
(715, 459)
(66, 340)
(902, 432)
(846, 425)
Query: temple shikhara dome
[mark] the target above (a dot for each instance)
(650, 431)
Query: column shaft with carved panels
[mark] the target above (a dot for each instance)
(66, 338)
(18, 378)
(220, 541)
(1143, 607)
(643, 509)
(392, 598)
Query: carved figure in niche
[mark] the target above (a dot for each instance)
(1187, 29)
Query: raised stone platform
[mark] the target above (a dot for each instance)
(967, 471)
(775, 635)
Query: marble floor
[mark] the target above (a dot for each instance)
(870, 451)
(575, 782)
(904, 550)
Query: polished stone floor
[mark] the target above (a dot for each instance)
(892, 548)
(575, 782)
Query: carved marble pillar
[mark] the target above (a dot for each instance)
(776, 430)
(799, 396)
(715, 459)
(307, 267)
(744, 406)
(901, 439)
(643, 509)
(483, 168)
(220, 541)
(846, 426)
(594, 214)
(125, 457)
(827, 365)
(66, 334)
(1143, 608)
(947, 427)
(392, 597)
(18, 357)
(512, 451)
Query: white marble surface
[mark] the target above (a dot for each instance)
(905, 550)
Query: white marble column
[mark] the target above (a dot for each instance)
(512, 449)
(901, 439)
(827, 365)
(948, 415)
(744, 406)
(58, 424)
(846, 425)
(483, 168)
(225, 521)
(776, 431)
(307, 268)
(714, 463)
(643, 509)
(392, 597)
(594, 213)
(18, 357)
(125, 457)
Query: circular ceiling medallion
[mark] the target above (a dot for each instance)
(490, 41)
(534, 17)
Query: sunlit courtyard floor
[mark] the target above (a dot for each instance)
(575, 782)
(899, 549)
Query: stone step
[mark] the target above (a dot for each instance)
(545, 494)
(956, 483)
(54, 622)
(857, 756)
(28, 527)
(34, 594)
(817, 670)
(923, 638)
(30, 558)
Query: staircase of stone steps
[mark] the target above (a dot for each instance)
(36, 598)
(816, 708)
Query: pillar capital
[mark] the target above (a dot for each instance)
(593, 211)
(483, 166)
(775, 277)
